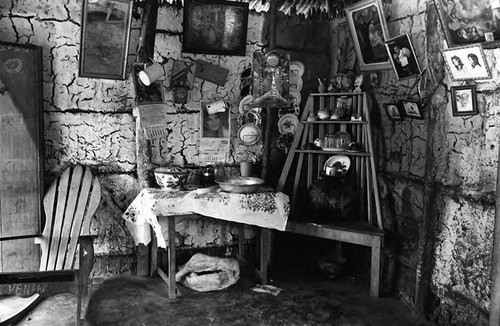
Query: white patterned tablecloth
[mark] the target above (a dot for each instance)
(264, 209)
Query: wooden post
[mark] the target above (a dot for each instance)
(495, 266)
(269, 116)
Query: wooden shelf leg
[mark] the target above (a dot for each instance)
(375, 267)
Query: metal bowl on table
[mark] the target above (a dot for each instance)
(241, 185)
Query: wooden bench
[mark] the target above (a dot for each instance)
(362, 235)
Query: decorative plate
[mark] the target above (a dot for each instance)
(292, 109)
(249, 134)
(295, 96)
(284, 141)
(288, 124)
(296, 82)
(249, 117)
(297, 68)
(337, 165)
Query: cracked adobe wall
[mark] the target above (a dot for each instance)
(437, 179)
(89, 121)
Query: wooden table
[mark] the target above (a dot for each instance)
(266, 210)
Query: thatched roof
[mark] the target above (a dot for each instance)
(329, 8)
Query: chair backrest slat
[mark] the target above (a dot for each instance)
(69, 216)
(71, 200)
(87, 182)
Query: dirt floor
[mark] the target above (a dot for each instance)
(309, 296)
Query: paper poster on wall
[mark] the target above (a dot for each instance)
(153, 120)
(215, 131)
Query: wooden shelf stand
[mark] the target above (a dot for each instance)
(305, 165)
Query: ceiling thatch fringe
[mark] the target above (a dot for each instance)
(306, 8)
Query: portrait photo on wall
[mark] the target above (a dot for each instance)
(369, 31)
(468, 22)
(393, 111)
(215, 119)
(152, 94)
(467, 62)
(215, 27)
(403, 58)
(464, 100)
(411, 109)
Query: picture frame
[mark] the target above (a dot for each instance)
(393, 111)
(478, 25)
(411, 109)
(369, 31)
(105, 35)
(146, 95)
(467, 62)
(206, 30)
(464, 100)
(403, 57)
(215, 124)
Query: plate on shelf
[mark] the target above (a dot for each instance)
(288, 124)
(249, 134)
(297, 68)
(295, 96)
(337, 165)
(296, 82)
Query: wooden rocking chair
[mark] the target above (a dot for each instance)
(69, 205)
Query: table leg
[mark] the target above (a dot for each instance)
(172, 287)
(153, 266)
(241, 240)
(265, 253)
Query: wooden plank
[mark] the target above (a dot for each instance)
(55, 236)
(44, 241)
(80, 199)
(360, 237)
(69, 217)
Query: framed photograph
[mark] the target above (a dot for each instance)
(411, 109)
(215, 119)
(403, 58)
(464, 100)
(393, 111)
(145, 95)
(369, 31)
(215, 27)
(105, 35)
(477, 24)
(467, 62)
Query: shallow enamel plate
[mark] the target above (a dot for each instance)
(288, 124)
(342, 162)
(249, 134)
(249, 117)
(297, 67)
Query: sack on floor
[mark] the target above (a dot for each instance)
(204, 273)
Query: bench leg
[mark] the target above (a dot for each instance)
(375, 267)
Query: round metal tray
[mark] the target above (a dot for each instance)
(241, 185)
